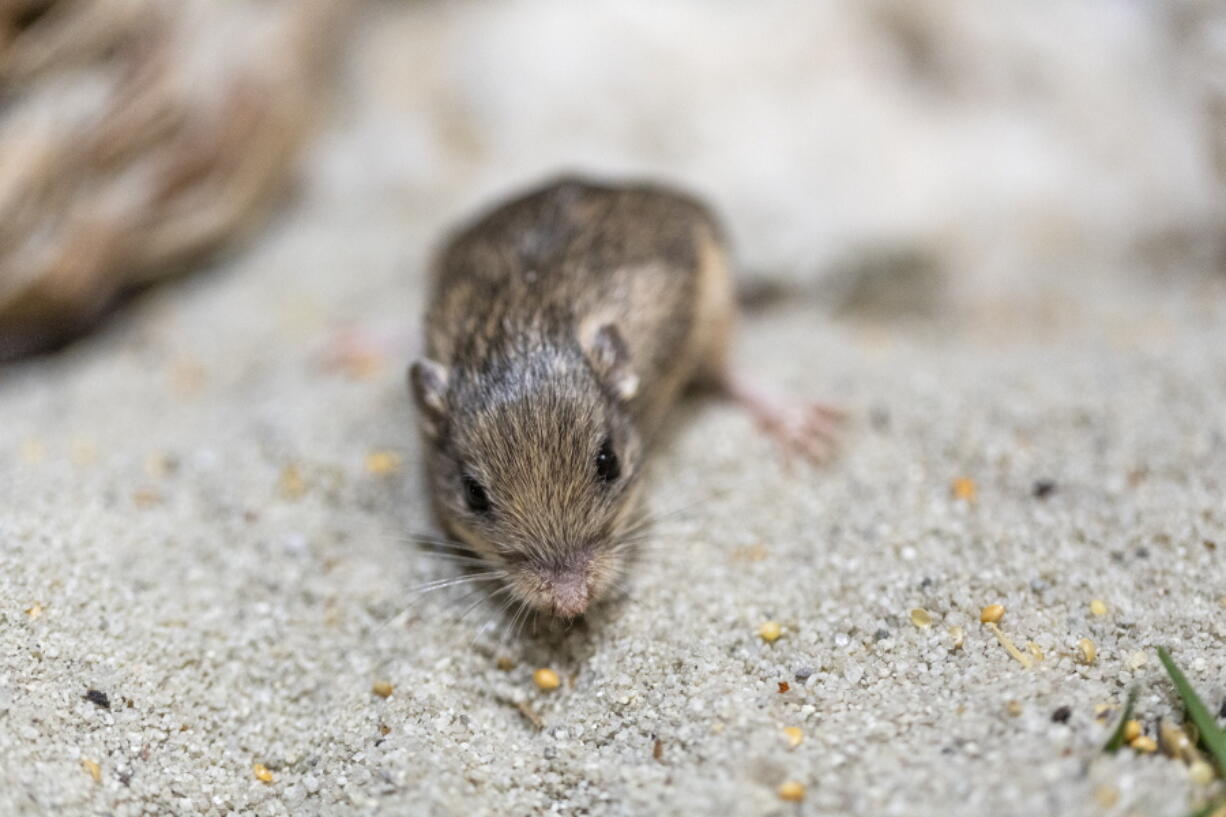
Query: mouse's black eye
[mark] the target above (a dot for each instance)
(607, 466)
(476, 497)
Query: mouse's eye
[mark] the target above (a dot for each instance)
(474, 494)
(607, 466)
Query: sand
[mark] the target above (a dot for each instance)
(192, 526)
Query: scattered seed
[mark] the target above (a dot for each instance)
(505, 664)
(291, 485)
(1021, 657)
(784, 686)
(95, 771)
(1200, 773)
(383, 689)
(1132, 731)
(1088, 651)
(546, 679)
(1062, 714)
(34, 611)
(992, 614)
(383, 463)
(921, 618)
(1014, 708)
(1098, 607)
(964, 489)
(657, 751)
(958, 636)
(99, 698)
(261, 773)
(794, 736)
(792, 791)
(770, 631)
(1143, 743)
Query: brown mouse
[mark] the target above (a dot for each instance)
(561, 327)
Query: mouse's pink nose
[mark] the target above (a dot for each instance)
(570, 593)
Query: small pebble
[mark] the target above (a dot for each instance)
(1137, 660)
(261, 773)
(546, 679)
(794, 736)
(383, 689)
(784, 686)
(1062, 714)
(770, 631)
(505, 664)
(99, 698)
(992, 614)
(1043, 488)
(311, 784)
(803, 673)
(792, 791)
(1014, 708)
(1098, 607)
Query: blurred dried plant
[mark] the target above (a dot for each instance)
(136, 135)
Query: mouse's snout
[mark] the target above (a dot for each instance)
(570, 592)
(566, 586)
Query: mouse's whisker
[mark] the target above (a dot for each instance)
(452, 581)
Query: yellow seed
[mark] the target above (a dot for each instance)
(382, 463)
(1201, 773)
(1014, 708)
(993, 613)
(95, 771)
(383, 689)
(1088, 651)
(546, 679)
(957, 634)
(33, 451)
(770, 631)
(792, 791)
(261, 773)
(964, 489)
(34, 611)
(291, 484)
(1132, 731)
(1143, 743)
(921, 617)
(1098, 607)
(794, 735)
(1101, 711)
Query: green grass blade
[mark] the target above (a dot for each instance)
(1116, 740)
(1210, 734)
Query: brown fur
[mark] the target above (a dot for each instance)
(575, 313)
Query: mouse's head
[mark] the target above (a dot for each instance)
(534, 463)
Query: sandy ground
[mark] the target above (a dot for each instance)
(192, 525)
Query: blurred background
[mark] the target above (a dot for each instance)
(889, 156)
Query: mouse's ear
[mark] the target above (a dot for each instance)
(428, 384)
(609, 357)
